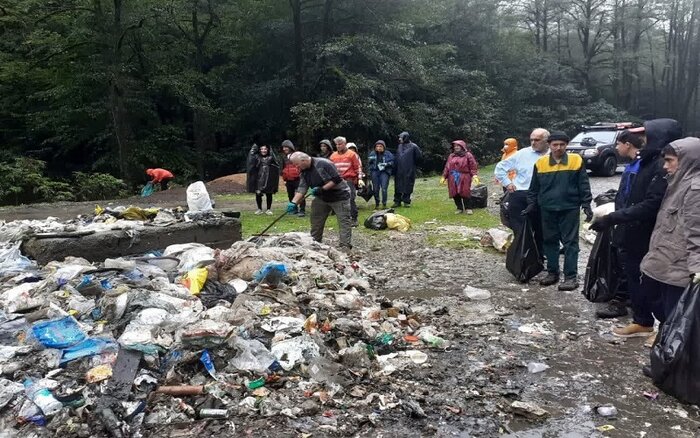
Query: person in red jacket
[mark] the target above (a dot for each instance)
(291, 176)
(161, 176)
(350, 169)
(459, 170)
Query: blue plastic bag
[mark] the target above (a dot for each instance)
(87, 348)
(272, 273)
(59, 333)
(208, 363)
(148, 189)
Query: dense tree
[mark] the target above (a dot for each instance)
(115, 86)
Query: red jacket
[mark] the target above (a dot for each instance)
(290, 172)
(348, 165)
(458, 172)
(159, 175)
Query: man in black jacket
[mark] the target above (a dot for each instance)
(637, 203)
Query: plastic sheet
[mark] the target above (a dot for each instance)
(397, 222)
(675, 357)
(60, 333)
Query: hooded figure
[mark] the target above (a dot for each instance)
(408, 155)
(381, 163)
(460, 168)
(326, 149)
(674, 249)
(510, 147)
(263, 175)
(637, 203)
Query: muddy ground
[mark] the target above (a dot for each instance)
(467, 389)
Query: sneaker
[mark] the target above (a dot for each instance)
(569, 284)
(612, 309)
(633, 331)
(469, 212)
(459, 211)
(406, 204)
(301, 214)
(550, 279)
(649, 343)
(268, 212)
(258, 212)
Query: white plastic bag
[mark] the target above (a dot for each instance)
(198, 198)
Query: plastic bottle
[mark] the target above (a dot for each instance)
(42, 397)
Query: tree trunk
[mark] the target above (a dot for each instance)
(298, 45)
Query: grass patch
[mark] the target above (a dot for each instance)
(431, 205)
(452, 241)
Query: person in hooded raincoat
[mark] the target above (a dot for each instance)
(637, 203)
(381, 163)
(263, 176)
(406, 160)
(291, 175)
(326, 149)
(510, 147)
(460, 168)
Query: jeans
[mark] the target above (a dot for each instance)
(258, 200)
(561, 226)
(320, 210)
(661, 298)
(380, 184)
(292, 187)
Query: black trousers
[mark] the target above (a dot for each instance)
(462, 202)
(292, 187)
(268, 199)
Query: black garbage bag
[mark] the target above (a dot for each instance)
(479, 197)
(523, 258)
(606, 197)
(366, 192)
(676, 355)
(215, 291)
(377, 220)
(602, 271)
(505, 214)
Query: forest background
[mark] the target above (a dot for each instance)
(92, 92)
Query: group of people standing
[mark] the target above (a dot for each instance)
(656, 220)
(333, 177)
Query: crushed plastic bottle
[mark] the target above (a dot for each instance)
(42, 397)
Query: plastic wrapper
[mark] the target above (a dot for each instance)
(59, 333)
(397, 222)
(198, 198)
(87, 348)
(676, 354)
(501, 239)
(295, 351)
(252, 355)
(194, 280)
(523, 258)
(12, 260)
(271, 273)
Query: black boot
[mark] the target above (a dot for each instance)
(646, 370)
(550, 279)
(396, 205)
(612, 309)
(569, 284)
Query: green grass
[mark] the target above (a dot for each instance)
(431, 208)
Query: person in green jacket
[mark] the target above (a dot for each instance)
(559, 187)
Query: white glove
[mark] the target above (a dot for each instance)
(360, 184)
(696, 278)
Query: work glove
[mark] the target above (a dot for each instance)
(588, 212)
(443, 181)
(696, 278)
(291, 208)
(315, 191)
(601, 224)
(361, 184)
(528, 210)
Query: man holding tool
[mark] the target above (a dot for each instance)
(331, 193)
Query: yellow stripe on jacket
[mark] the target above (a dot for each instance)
(574, 163)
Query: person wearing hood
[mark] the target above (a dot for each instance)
(381, 163)
(510, 148)
(326, 149)
(560, 188)
(674, 250)
(291, 176)
(263, 176)
(637, 203)
(460, 168)
(408, 155)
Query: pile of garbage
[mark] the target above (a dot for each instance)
(284, 326)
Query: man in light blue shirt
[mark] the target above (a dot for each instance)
(523, 163)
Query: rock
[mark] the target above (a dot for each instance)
(476, 294)
(528, 410)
